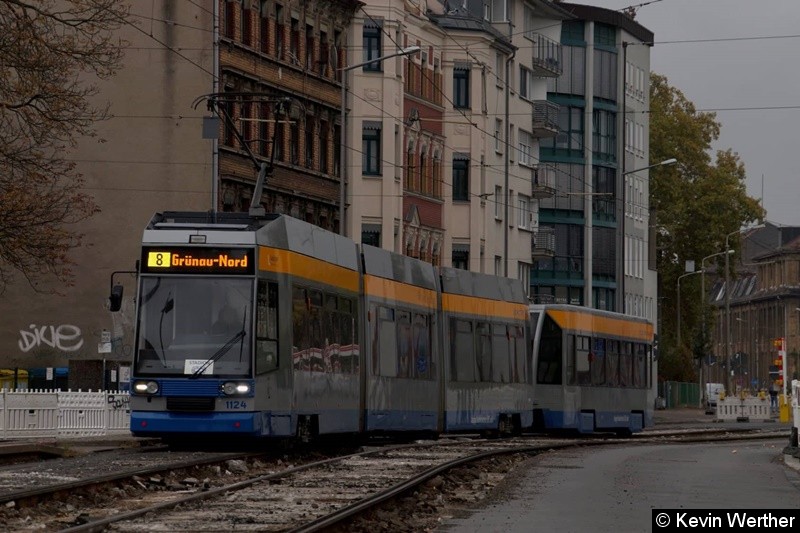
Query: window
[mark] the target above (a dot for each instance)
(294, 142)
(230, 20)
(462, 358)
(371, 149)
(498, 135)
(372, 46)
(525, 148)
(569, 141)
(266, 327)
(309, 146)
(499, 68)
(323, 146)
(460, 179)
(524, 212)
(279, 31)
(460, 257)
(499, 202)
(371, 236)
(461, 87)
(525, 83)
(604, 136)
(246, 27)
(263, 27)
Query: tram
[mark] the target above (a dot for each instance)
(594, 370)
(267, 326)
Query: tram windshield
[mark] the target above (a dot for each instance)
(195, 327)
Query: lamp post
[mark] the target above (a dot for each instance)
(726, 253)
(727, 337)
(678, 306)
(343, 137)
(679, 301)
(670, 161)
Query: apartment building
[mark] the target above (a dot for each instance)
(597, 225)
(457, 181)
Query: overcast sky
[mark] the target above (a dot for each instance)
(754, 64)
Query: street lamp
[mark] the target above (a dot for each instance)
(679, 301)
(727, 337)
(670, 161)
(343, 137)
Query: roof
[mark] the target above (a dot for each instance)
(611, 17)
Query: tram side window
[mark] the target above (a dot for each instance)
(300, 326)
(348, 332)
(385, 343)
(483, 350)
(404, 355)
(519, 356)
(549, 356)
(422, 347)
(626, 365)
(501, 354)
(612, 363)
(582, 351)
(331, 337)
(315, 312)
(597, 362)
(640, 365)
(462, 356)
(267, 327)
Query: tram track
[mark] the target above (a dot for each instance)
(322, 493)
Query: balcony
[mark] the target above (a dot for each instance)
(543, 243)
(545, 119)
(546, 56)
(544, 182)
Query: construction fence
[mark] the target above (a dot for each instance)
(66, 414)
(673, 394)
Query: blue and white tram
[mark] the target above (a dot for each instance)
(273, 327)
(593, 370)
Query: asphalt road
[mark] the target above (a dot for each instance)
(614, 489)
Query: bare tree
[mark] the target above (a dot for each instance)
(51, 53)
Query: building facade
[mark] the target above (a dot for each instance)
(602, 251)
(755, 308)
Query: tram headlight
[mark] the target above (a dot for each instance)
(145, 387)
(233, 388)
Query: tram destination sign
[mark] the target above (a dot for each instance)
(186, 260)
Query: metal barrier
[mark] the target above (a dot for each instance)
(43, 413)
(746, 409)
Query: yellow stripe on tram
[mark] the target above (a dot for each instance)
(587, 322)
(295, 264)
(398, 291)
(471, 305)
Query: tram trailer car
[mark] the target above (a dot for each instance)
(273, 327)
(593, 370)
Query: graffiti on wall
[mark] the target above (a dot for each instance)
(66, 338)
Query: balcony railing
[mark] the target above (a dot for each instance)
(545, 119)
(543, 243)
(544, 182)
(546, 56)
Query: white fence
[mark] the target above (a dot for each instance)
(750, 409)
(32, 414)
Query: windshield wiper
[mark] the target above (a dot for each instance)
(225, 348)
